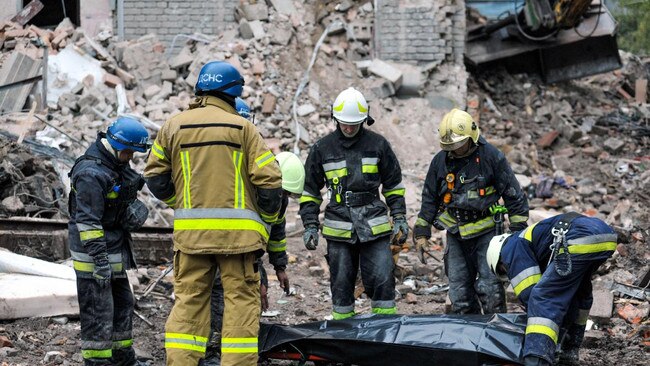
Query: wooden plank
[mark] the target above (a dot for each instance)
(641, 91)
(27, 124)
(19, 66)
(28, 12)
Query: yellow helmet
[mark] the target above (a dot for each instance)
(293, 172)
(455, 128)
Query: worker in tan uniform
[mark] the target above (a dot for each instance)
(212, 166)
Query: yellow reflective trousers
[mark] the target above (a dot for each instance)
(188, 326)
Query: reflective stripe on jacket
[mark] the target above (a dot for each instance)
(210, 164)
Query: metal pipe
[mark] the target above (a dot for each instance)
(120, 20)
(44, 82)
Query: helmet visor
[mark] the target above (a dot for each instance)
(453, 145)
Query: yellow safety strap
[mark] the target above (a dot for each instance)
(221, 224)
(239, 345)
(96, 353)
(186, 341)
(187, 176)
(158, 151)
(239, 181)
(264, 159)
(91, 234)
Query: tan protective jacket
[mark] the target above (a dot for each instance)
(207, 163)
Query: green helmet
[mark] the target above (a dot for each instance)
(293, 172)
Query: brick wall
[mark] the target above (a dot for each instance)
(172, 17)
(420, 31)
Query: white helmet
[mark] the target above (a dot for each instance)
(293, 172)
(350, 107)
(494, 251)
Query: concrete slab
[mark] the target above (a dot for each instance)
(283, 6)
(25, 296)
(601, 310)
(386, 71)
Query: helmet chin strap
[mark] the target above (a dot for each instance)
(110, 148)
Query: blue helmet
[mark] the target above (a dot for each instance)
(242, 108)
(128, 134)
(221, 77)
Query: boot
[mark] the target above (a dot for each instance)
(211, 360)
(569, 357)
(535, 361)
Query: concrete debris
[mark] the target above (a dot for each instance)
(386, 71)
(27, 296)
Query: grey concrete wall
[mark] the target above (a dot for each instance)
(420, 31)
(9, 8)
(172, 17)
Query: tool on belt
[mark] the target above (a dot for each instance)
(497, 212)
(560, 249)
(450, 179)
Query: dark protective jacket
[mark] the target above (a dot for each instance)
(556, 295)
(480, 179)
(277, 245)
(101, 190)
(352, 169)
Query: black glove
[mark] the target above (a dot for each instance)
(310, 237)
(103, 271)
(135, 216)
(400, 224)
(518, 226)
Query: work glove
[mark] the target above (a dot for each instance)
(283, 279)
(422, 247)
(102, 272)
(518, 226)
(310, 237)
(135, 216)
(400, 226)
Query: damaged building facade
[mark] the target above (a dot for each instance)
(427, 34)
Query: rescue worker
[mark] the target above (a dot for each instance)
(103, 210)
(352, 162)
(293, 179)
(243, 109)
(549, 265)
(214, 168)
(463, 185)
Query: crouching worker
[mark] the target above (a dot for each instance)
(103, 211)
(549, 265)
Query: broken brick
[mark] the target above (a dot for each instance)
(548, 139)
(268, 104)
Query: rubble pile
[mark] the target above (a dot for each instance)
(91, 80)
(29, 184)
(583, 146)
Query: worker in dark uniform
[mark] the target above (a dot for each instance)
(550, 265)
(103, 210)
(461, 194)
(353, 162)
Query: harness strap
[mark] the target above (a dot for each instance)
(563, 263)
